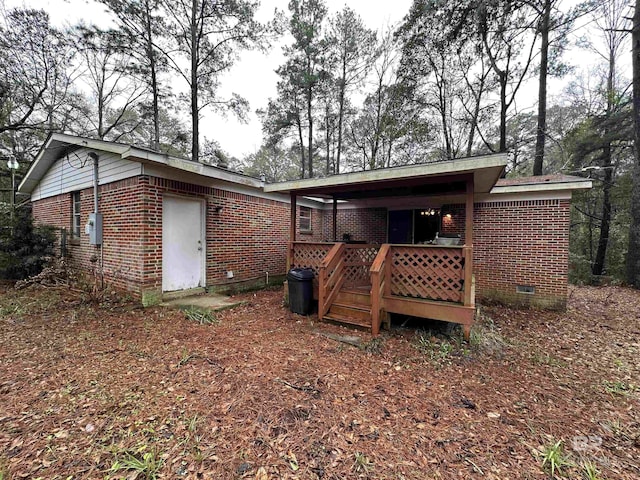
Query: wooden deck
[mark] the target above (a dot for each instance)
(361, 284)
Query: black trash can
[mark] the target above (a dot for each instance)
(300, 282)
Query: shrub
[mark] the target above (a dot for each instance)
(24, 248)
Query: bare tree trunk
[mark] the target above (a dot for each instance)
(605, 222)
(155, 142)
(310, 121)
(378, 131)
(633, 251)
(598, 267)
(326, 139)
(301, 138)
(474, 120)
(195, 141)
(542, 90)
(503, 112)
(100, 92)
(341, 115)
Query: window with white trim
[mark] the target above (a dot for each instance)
(305, 219)
(75, 215)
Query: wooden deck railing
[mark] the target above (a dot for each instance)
(307, 255)
(469, 295)
(358, 259)
(378, 285)
(422, 280)
(429, 272)
(330, 278)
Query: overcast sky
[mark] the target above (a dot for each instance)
(254, 77)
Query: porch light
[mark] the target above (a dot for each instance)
(428, 213)
(448, 216)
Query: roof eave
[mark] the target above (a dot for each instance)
(191, 167)
(43, 161)
(47, 156)
(542, 187)
(430, 170)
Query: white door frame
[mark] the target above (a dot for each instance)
(203, 234)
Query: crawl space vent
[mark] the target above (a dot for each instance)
(530, 289)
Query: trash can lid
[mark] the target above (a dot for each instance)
(300, 274)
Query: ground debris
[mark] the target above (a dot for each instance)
(261, 394)
(348, 339)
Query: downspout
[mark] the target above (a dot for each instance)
(94, 157)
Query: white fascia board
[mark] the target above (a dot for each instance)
(541, 187)
(28, 183)
(457, 166)
(523, 196)
(46, 157)
(436, 201)
(154, 169)
(192, 167)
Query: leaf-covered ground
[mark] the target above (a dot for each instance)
(117, 391)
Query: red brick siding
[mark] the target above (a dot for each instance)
(518, 243)
(368, 224)
(53, 211)
(120, 205)
(248, 236)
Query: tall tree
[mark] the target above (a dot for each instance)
(553, 27)
(502, 26)
(633, 252)
(478, 80)
(33, 61)
(34, 83)
(305, 58)
(610, 21)
(114, 92)
(140, 29)
(350, 46)
(494, 31)
(284, 115)
(208, 38)
(271, 163)
(368, 130)
(390, 128)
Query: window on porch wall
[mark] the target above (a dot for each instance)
(75, 215)
(305, 219)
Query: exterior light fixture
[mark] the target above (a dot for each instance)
(13, 165)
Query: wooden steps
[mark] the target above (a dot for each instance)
(351, 307)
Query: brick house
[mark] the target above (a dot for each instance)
(152, 223)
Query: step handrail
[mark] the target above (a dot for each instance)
(378, 281)
(330, 278)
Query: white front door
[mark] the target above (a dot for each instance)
(182, 244)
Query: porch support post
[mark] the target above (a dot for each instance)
(467, 251)
(468, 224)
(335, 219)
(292, 230)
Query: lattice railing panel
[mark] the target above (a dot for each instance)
(357, 262)
(430, 273)
(309, 255)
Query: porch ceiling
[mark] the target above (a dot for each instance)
(412, 180)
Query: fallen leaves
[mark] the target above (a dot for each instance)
(264, 394)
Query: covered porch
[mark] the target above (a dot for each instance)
(361, 283)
